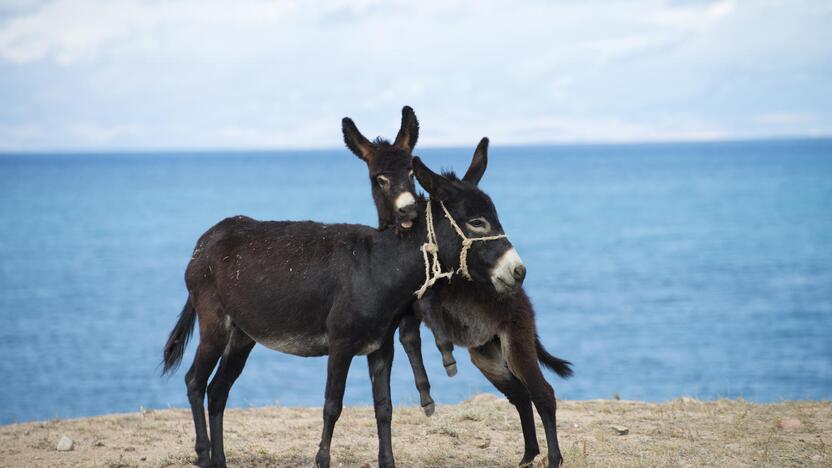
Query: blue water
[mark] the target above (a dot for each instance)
(659, 270)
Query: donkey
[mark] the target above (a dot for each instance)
(313, 289)
(498, 329)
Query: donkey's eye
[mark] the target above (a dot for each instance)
(479, 224)
(383, 182)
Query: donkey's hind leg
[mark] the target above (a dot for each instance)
(489, 360)
(231, 365)
(213, 336)
(521, 355)
(411, 340)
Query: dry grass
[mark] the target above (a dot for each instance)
(483, 431)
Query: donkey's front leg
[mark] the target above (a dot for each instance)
(380, 363)
(411, 340)
(521, 354)
(431, 310)
(446, 347)
(338, 365)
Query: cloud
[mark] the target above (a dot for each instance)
(187, 73)
(780, 118)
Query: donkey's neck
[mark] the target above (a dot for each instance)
(397, 258)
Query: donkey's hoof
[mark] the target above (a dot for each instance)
(322, 460)
(555, 460)
(451, 369)
(429, 409)
(526, 462)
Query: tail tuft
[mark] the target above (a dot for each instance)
(559, 366)
(178, 339)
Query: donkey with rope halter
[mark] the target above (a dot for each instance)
(498, 329)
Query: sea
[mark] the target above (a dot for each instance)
(659, 270)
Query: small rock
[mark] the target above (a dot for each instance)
(65, 444)
(98, 443)
(790, 424)
(620, 430)
(483, 443)
(366, 465)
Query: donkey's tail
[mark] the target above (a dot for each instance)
(559, 366)
(179, 337)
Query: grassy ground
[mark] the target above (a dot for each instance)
(483, 431)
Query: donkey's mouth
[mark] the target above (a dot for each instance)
(406, 224)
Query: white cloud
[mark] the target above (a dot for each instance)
(187, 73)
(105, 134)
(20, 133)
(780, 118)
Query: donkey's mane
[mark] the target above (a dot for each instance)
(379, 141)
(450, 175)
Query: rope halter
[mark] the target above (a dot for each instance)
(430, 251)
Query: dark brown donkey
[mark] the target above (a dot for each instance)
(498, 329)
(313, 289)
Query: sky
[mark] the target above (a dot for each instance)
(201, 74)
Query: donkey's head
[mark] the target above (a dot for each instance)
(391, 170)
(491, 259)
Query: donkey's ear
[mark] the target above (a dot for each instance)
(355, 140)
(478, 163)
(409, 133)
(437, 186)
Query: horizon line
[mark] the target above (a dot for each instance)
(278, 149)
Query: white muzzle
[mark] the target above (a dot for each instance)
(502, 275)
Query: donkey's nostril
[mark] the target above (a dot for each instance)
(407, 212)
(519, 272)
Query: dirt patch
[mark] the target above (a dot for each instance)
(483, 431)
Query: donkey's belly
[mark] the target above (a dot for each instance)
(299, 345)
(465, 329)
(309, 345)
(285, 335)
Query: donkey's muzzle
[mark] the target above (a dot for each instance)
(508, 273)
(405, 210)
(405, 216)
(519, 273)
